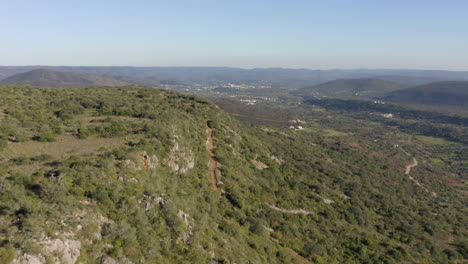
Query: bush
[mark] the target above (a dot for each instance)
(3, 143)
(115, 130)
(7, 254)
(46, 137)
(83, 133)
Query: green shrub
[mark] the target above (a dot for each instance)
(46, 137)
(7, 254)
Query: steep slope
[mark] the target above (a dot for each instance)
(439, 93)
(365, 87)
(49, 78)
(139, 175)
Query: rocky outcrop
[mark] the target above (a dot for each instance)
(277, 159)
(142, 161)
(29, 259)
(180, 159)
(188, 223)
(55, 251)
(109, 260)
(259, 165)
(64, 251)
(149, 162)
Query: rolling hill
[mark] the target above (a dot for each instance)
(450, 93)
(50, 78)
(408, 80)
(278, 77)
(364, 87)
(141, 175)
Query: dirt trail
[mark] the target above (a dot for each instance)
(411, 165)
(296, 255)
(213, 162)
(290, 211)
(292, 252)
(408, 168)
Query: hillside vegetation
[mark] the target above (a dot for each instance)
(366, 87)
(439, 93)
(49, 78)
(124, 175)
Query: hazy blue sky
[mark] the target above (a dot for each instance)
(424, 34)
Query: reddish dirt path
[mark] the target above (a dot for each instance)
(296, 255)
(292, 252)
(213, 162)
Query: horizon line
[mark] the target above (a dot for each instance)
(243, 68)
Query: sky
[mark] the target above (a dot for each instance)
(328, 34)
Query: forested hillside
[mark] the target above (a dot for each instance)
(49, 78)
(140, 175)
(366, 87)
(439, 93)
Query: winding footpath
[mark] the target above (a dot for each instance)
(410, 166)
(290, 211)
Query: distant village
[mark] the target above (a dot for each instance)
(297, 124)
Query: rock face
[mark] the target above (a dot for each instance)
(67, 250)
(149, 162)
(109, 260)
(260, 165)
(277, 159)
(142, 161)
(180, 159)
(58, 251)
(29, 259)
(188, 223)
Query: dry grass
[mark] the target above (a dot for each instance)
(334, 133)
(63, 148)
(325, 132)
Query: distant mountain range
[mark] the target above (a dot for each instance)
(447, 93)
(277, 77)
(364, 87)
(408, 80)
(451, 93)
(50, 78)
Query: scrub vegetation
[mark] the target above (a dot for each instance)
(123, 174)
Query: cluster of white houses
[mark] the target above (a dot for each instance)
(296, 124)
